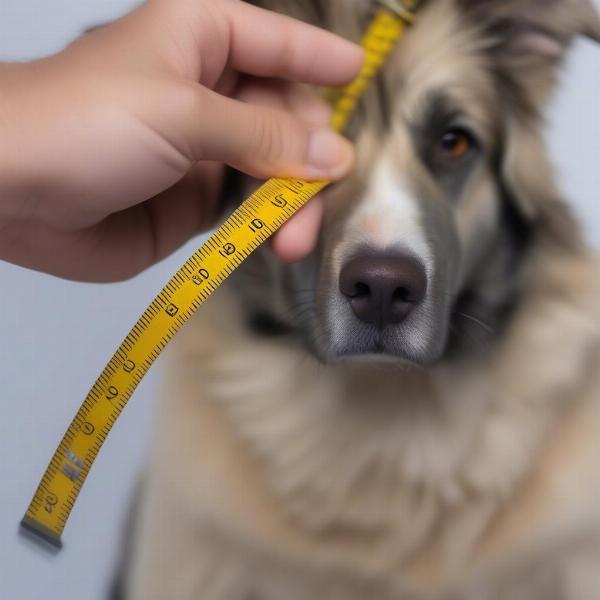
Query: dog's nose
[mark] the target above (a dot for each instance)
(383, 289)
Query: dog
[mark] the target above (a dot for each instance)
(412, 412)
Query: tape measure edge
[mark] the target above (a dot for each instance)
(34, 530)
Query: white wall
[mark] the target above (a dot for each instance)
(55, 335)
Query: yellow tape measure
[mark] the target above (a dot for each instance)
(244, 231)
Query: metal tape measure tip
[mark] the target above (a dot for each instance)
(35, 531)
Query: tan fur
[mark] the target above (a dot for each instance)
(274, 477)
(243, 418)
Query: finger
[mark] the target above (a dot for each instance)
(298, 237)
(259, 140)
(187, 208)
(300, 100)
(271, 45)
(309, 106)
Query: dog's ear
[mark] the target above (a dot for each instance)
(532, 33)
(526, 41)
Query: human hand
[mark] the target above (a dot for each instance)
(112, 151)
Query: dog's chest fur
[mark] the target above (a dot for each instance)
(419, 481)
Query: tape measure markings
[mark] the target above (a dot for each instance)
(249, 226)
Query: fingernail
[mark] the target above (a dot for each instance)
(329, 155)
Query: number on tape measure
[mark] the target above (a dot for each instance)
(201, 276)
(247, 228)
(88, 428)
(256, 225)
(279, 202)
(228, 250)
(112, 392)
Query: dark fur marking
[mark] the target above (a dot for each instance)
(475, 322)
(383, 97)
(232, 189)
(439, 114)
(267, 325)
(513, 94)
(319, 10)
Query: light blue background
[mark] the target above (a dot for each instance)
(55, 336)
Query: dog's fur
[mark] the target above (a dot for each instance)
(302, 455)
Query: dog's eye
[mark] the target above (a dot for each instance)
(455, 143)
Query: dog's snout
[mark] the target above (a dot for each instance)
(383, 289)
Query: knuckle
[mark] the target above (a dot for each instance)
(269, 136)
(287, 53)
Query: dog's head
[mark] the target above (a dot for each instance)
(421, 247)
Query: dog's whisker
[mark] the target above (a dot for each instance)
(479, 322)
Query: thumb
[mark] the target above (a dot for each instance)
(263, 141)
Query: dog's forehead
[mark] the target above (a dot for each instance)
(443, 53)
